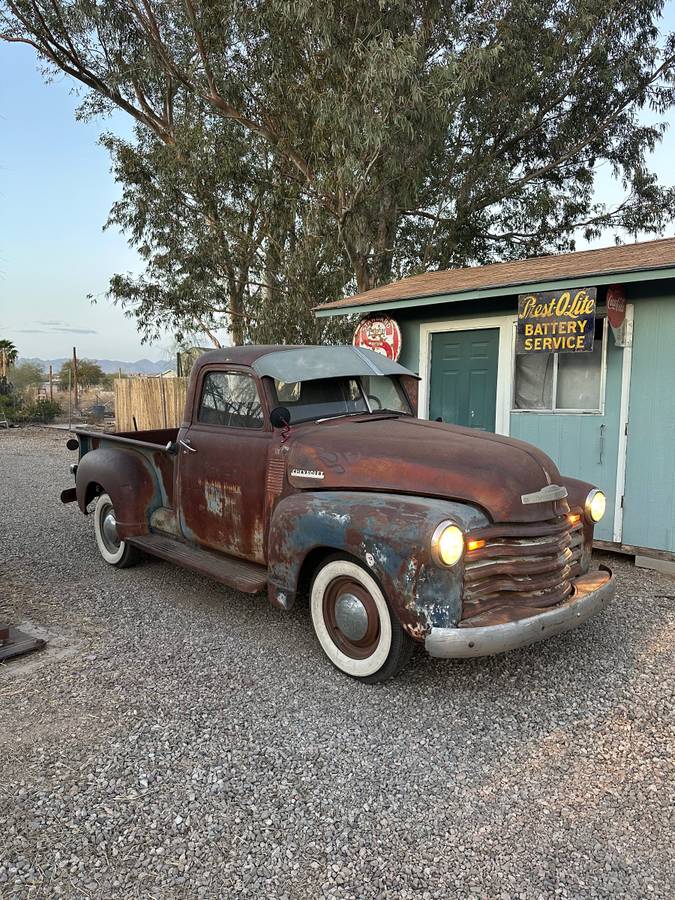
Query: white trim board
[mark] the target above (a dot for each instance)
(624, 405)
(504, 362)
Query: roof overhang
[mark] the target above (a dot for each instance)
(503, 290)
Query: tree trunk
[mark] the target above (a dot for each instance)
(236, 326)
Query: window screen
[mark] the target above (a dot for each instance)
(229, 398)
(560, 382)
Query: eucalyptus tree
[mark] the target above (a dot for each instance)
(367, 140)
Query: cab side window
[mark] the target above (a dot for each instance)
(230, 399)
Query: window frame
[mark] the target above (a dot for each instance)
(275, 401)
(230, 370)
(554, 411)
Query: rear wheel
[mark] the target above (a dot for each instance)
(113, 550)
(354, 624)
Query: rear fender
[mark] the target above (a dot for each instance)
(389, 533)
(130, 481)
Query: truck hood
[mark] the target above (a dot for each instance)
(412, 456)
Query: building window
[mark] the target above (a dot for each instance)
(561, 382)
(231, 399)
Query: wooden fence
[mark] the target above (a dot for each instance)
(153, 402)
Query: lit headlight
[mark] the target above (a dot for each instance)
(595, 506)
(447, 544)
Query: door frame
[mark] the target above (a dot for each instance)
(504, 324)
(624, 413)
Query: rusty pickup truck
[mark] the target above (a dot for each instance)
(305, 471)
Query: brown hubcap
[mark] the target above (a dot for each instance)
(347, 603)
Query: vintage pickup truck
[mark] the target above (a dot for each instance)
(305, 469)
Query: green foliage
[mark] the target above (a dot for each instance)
(89, 374)
(18, 411)
(26, 375)
(10, 406)
(11, 353)
(287, 153)
(43, 411)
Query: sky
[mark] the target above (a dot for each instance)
(55, 193)
(56, 190)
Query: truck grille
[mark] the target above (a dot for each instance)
(521, 569)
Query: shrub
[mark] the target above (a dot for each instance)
(10, 406)
(42, 411)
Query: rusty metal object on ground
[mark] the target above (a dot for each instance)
(14, 642)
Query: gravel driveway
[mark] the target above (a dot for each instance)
(183, 740)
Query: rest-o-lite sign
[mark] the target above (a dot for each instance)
(556, 321)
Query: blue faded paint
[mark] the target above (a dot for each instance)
(389, 533)
(586, 445)
(649, 498)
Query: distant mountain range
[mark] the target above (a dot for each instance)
(143, 366)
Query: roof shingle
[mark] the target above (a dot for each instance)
(647, 255)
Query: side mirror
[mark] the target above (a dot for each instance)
(280, 417)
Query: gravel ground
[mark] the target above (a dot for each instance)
(196, 743)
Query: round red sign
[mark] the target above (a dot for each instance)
(616, 305)
(381, 334)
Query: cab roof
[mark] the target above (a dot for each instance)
(306, 363)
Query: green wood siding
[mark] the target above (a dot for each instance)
(649, 500)
(574, 441)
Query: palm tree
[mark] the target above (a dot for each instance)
(8, 356)
(11, 353)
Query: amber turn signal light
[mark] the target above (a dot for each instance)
(573, 518)
(474, 545)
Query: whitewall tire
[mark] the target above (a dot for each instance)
(354, 624)
(113, 550)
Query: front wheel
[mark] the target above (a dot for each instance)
(113, 550)
(354, 624)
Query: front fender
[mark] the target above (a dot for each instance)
(130, 481)
(389, 533)
(577, 491)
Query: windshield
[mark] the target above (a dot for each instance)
(327, 397)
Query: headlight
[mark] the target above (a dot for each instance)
(447, 544)
(595, 506)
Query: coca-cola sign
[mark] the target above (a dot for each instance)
(616, 305)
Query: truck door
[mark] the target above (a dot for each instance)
(222, 463)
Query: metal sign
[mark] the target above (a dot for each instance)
(616, 305)
(556, 321)
(381, 334)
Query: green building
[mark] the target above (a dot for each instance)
(606, 415)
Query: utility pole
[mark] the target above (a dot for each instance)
(74, 367)
(51, 383)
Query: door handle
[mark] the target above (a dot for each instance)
(187, 445)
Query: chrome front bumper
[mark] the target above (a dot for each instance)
(592, 592)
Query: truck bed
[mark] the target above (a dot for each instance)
(155, 438)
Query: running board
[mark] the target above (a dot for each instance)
(236, 573)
